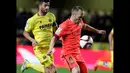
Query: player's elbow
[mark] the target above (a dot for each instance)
(25, 33)
(110, 35)
(54, 39)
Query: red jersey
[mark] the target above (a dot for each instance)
(70, 33)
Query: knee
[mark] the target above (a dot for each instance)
(76, 69)
(46, 61)
(52, 69)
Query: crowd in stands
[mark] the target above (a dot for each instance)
(98, 19)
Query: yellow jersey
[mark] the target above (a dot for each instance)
(42, 28)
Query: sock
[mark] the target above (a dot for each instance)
(37, 67)
(83, 67)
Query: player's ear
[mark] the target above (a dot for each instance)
(73, 13)
(84, 13)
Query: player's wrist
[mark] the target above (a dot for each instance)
(49, 52)
(98, 31)
(32, 40)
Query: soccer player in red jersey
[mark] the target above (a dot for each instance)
(69, 31)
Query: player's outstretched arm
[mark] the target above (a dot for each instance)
(52, 43)
(27, 35)
(90, 28)
(59, 32)
(110, 38)
(53, 40)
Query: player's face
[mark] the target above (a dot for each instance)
(78, 14)
(45, 7)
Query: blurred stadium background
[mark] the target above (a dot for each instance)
(99, 14)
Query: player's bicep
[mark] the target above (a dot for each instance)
(58, 32)
(62, 29)
(85, 26)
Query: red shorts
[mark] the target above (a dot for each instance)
(73, 60)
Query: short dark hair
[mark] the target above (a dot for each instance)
(77, 8)
(41, 1)
(44, 0)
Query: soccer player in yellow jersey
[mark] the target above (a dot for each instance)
(111, 46)
(41, 25)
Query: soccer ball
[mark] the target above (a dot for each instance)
(86, 41)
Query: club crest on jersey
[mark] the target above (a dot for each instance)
(49, 20)
(71, 60)
(40, 21)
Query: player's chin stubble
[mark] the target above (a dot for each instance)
(46, 10)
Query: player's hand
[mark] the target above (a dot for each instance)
(34, 43)
(101, 32)
(49, 53)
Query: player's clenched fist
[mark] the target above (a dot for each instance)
(101, 32)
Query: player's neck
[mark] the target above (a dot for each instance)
(41, 13)
(72, 19)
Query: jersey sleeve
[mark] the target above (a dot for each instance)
(55, 25)
(29, 25)
(61, 30)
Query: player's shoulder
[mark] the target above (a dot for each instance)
(65, 23)
(32, 19)
(51, 14)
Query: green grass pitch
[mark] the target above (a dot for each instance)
(60, 70)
